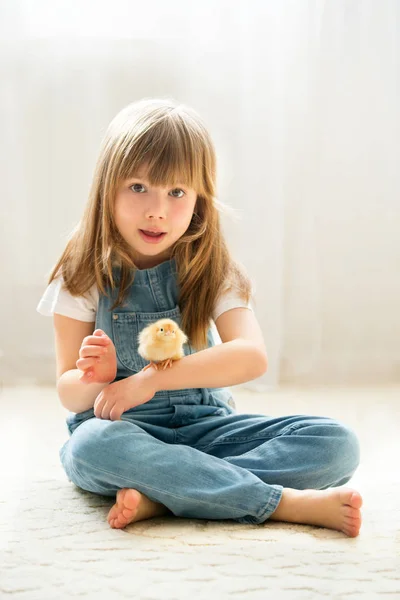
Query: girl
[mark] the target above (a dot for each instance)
(149, 246)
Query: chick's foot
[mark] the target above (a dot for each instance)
(151, 364)
(165, 363)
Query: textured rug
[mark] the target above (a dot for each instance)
(55, 542)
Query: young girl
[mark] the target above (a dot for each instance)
(170, 441)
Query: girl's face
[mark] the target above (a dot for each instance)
(140, 208)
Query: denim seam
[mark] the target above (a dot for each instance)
(266, 512)
(72, 468)
(236, 440)
(272, 503)
(155, 299)
(292, 429)
(157, 279)
(241, 439)
(288, 430)
(197, 501)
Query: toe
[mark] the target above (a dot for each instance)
(111, 514)
(131, 498)
(351, 531)
(121, 495)
(351, 498)
(356, 500)
(352, 521)
(124, 509)
(351, 526)
(349, 511)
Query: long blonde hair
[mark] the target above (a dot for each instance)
(173, 143)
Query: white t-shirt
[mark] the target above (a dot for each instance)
(56, 299)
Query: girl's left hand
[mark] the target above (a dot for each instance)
(122, 395)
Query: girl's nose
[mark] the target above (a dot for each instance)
(157, 206)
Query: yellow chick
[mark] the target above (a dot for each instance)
(161, 343)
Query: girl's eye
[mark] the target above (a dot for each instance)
(136, 185)
(136, 188)
(179, 190)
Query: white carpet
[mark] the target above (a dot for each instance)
(55, 542)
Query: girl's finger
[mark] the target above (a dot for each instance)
(105, 411)
(98, 406)
(99, 334)
(85, 363)
(94, 351)
(86, 376)
(99, 342)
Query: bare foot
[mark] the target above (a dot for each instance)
(335, 508)
(132, 506)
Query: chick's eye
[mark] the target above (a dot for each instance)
(161, 329)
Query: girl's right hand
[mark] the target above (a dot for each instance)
(98, 358)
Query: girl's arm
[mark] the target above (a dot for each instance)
(69, 334)
(75, 395)
(241, 357)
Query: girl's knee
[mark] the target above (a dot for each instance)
(89, 455)
(349, 446)
(345, 447)
(338, 446)
(91, 443)
(344, 454)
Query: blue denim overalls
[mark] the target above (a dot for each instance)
(189, 449)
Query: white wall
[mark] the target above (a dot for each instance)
(302, 102)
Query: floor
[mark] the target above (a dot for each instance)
(55, 542)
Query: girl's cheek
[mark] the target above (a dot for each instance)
(182, 213)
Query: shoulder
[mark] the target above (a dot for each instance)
(57, 299)
(237, 320)
(227, 300)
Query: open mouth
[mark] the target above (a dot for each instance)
(152, 237)
(151, 233)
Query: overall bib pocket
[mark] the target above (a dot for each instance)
(126, 328)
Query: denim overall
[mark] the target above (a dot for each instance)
(189, 449)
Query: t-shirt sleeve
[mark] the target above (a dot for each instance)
(227, 301)
(56, 299)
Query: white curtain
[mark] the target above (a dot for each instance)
(302, 100)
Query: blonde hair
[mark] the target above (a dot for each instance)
(173, 143)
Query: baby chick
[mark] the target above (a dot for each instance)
(161, 343)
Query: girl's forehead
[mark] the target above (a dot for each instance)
(170, 176)
(141, 174)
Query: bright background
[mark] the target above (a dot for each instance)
(302, 100)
